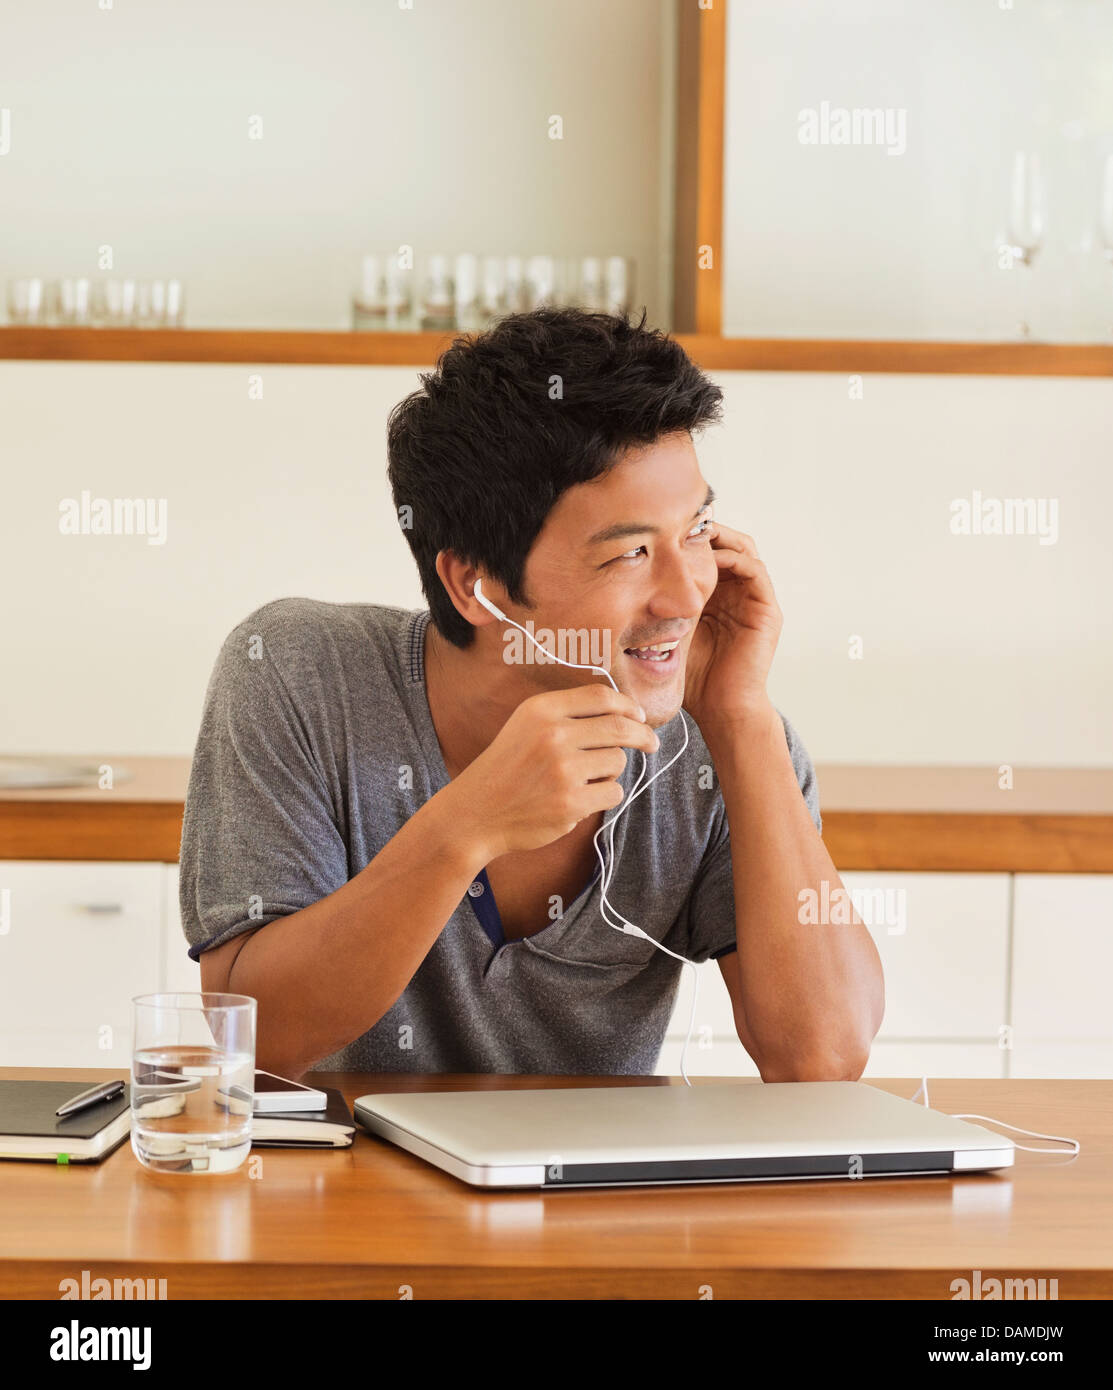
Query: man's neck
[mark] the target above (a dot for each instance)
(469, 700)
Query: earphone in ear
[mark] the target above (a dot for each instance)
(478, 593)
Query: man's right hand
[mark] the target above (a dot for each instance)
(554, 762)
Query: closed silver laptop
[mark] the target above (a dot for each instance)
(741, 1131)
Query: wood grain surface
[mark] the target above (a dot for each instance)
(372, 1221)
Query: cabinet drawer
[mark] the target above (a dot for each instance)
(943, 942)
(77, 942)
(180, 974)
(935, 1059)
(1062, 959)
(1092, 1060)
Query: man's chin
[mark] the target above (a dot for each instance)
(660, 705)
(660, 698)
(657, 718)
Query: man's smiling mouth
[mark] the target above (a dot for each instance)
(658, 651)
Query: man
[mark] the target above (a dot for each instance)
(389, 837)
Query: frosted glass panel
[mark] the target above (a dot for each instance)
(871, 163)
(257, 150)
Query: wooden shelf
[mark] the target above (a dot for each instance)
(222, 345)
(877, 355)
(709, 351)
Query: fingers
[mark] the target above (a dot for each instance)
(736, 554)
(588, 701)
(723, 536)
(614, 731)
(596, 764)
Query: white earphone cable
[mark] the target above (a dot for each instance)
(1032, 1133)
(605, 872)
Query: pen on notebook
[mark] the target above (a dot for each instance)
(91, 1097)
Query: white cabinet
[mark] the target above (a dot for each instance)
(179, 972)
(1062, 966)
(707, 1056)
(714, 1049)
(77, 942)
(81, 941)
(1090, 1061)
(943, 941)
(930, 1059)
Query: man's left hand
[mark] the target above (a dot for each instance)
(737, 634)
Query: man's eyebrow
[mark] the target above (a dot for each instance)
(623, 529)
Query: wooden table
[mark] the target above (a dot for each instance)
(372, 1220)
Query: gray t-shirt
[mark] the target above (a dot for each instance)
(316, 746)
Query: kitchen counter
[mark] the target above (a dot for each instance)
(1053, 820)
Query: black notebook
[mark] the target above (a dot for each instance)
(331, 1128)
(29, 1128)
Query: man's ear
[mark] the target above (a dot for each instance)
(458, 578)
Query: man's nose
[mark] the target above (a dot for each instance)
(677, 590)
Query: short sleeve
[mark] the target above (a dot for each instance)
(711, 903)
(259, 834)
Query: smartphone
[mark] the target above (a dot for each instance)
(275, 1093)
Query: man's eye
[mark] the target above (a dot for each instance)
(700, 529)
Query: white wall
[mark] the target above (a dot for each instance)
(982, 649)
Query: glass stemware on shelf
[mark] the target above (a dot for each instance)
(79, 302)
(1105, 215)
(443, 293)
(1027, 218)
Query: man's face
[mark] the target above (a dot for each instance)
(628, 558)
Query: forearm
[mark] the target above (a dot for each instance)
(325, 975)
(812, 995)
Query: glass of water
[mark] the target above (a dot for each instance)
(192, 1081)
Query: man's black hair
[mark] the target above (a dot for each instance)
(511, 418)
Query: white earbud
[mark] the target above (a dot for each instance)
(478, 593)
